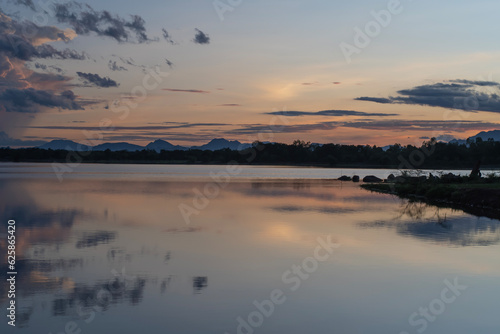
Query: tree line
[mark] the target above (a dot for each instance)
(431, 154)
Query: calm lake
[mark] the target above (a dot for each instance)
(218, 249)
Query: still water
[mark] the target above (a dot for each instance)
(189, 249)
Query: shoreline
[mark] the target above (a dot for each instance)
(479, 199)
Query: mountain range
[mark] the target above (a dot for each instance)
(485, 136)
(213, 145)
(158, 146)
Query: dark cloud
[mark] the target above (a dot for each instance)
(476, 83)
(333, 113)
(421, 125)
(29, 100)
(44, 67)
(374, 99)
(455, 94)
(97, 80)
(27, 3)
(14, 43)
(385, 125)
(167, 37)
(169, 63)
(252, 129)
(40, 66)
(6, 141)
(87, 20)
(129, 61)
(201, 37)
(113, 66)
(186, 90)
(170, 126)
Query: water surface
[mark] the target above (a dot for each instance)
(167, 249)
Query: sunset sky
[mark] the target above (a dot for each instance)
(351, 72)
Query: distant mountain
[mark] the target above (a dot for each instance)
(59, 144)
(485, 135)
(221, 144)
(115, 147)
(159, 145)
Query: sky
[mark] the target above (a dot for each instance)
(347, 72)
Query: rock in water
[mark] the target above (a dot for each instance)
(372, 179)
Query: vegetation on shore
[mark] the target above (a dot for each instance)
(476, 195)
(430, 155)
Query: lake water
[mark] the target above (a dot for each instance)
(212, 249)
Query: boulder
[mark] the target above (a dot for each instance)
(371, 179)
(344, 178)
(355, 178)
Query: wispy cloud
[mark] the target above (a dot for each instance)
(169, 126)
(186, 90)
(167, 37)
(85, 20)
(331, 113)
(6, 140)
(97, 80)
(113, 66)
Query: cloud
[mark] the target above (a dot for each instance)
(44, 67)
(167, 37)
(6, 141)
(252, 129)
(373, 99)
(229, 105)
(113, 66)
(169, 126)
(201, 37)
(29, 100)
(186, 90)
(476, 83)
(421, 125)
(15, 44)
(472, 96)
(169, 63)
(21, 89)
(97, 80)
(333, 113)
(384, 125)
(27, 3)
(102, 23)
